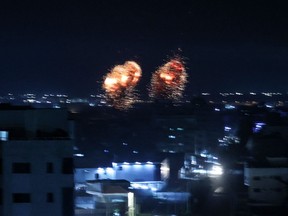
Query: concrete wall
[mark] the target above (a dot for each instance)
(38, 182)
(264, 185)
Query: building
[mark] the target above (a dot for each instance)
(98, 185)
(36, 162)
(267, 185)
(124, 145)
(266, 172)
(187, 128)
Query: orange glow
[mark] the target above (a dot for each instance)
(120, 82)
(110, 84)
(169, 80)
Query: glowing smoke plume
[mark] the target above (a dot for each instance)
(168, 82)
(119, 84)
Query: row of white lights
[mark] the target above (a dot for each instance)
(135, 163)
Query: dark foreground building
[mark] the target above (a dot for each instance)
(36, 162)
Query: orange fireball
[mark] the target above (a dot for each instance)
(169, 80)
(120, 82)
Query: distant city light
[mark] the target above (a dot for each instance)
(100, 170)
(79, 155)
(110, 170)
(227, 129)
(3, 135)
(229, 106)
(216, 170)
(258, 127)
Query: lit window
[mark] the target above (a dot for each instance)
(3, 135)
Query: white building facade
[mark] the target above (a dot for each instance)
(268, 185)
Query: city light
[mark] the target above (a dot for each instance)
(79, 155)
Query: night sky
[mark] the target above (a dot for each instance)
(68, 46)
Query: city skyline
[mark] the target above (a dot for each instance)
(235, 46)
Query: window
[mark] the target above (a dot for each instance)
(50, 197)
(3, 135)
(49, 167)
(21, 198)
(67, 201)
(21, 168)
(97, 176)
(257, 178)
(1, 196)
(1, 165)
(67, 165)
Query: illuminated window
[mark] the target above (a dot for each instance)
(21, 168)
(21, 197)
(3, 135)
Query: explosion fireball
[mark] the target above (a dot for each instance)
(119, 84)
(168, 82)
